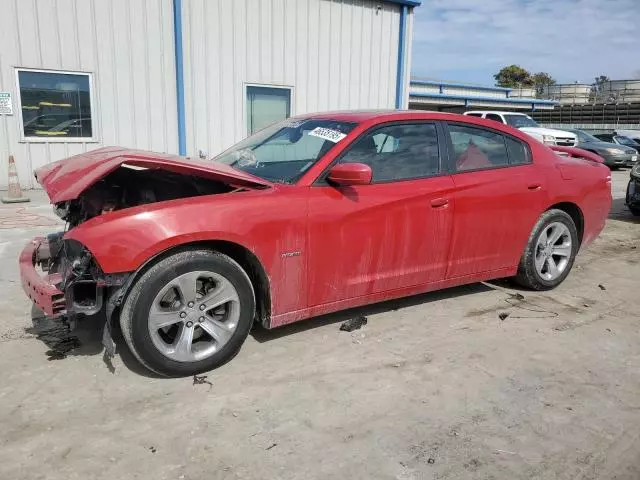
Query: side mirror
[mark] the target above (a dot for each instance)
(350, 174)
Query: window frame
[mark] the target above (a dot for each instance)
(443, 148)
(450, 161)
(245, 101)
(94, 119)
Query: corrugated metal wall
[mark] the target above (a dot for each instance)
(336, 54)
(128, 47)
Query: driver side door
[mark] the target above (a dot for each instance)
(391, 234)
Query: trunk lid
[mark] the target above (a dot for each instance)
(66, 179)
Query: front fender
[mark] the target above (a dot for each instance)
(122, 241)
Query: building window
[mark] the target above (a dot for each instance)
(266, 105)
(55, 105)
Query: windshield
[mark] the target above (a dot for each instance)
(585, 137)
(284, 151)
(519, 121)
(627, 141)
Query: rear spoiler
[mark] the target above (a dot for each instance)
(574, 152)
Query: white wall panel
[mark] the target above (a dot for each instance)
(335, 54)
(128, 47)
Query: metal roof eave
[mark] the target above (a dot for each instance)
(407, 3)
(485, 99)
(435, 83)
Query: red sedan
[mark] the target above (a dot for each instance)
(312, 215)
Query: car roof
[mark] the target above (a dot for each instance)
(499, 112)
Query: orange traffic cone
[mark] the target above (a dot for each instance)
(14, 195)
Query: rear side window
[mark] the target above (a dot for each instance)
(398, 152)
(518, 152)
(477, 148)
(479, 115)
(494, 117)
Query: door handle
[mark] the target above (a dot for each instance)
(439, 202)
(534, 186)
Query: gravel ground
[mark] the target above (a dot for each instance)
(434, 386)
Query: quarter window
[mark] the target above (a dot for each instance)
(266, 106)
(476, 148)
(55, 104)
(518, 151)
(398, 152)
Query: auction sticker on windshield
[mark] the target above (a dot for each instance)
(327, 134)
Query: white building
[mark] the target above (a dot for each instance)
(187, 76)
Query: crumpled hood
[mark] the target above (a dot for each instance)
(66, 179)
(548, 131)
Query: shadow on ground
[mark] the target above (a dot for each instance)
(263, 335)
(619, 211)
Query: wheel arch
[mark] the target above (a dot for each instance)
(239, 253)
(574, 211)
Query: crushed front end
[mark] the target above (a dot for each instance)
(63, 279)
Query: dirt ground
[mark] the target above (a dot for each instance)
(434, 386)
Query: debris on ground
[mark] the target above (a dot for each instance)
(517, 296)
(431, 461)
(271, 446)
(503, 316)
(353, 323)
(152, 449)
(106, 359)
(201, 380)
(602, 287)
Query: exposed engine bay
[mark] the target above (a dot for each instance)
(129, 186)
(86, 288)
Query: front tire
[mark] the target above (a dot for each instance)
(550, 252)
(189, 313)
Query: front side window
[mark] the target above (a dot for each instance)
(519, 121)
(284, 151)
(55, 104)
(398, 152)
(266, 106)
(476, 148)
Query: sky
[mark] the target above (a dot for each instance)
(573, 40)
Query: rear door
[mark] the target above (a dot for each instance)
(391, 234)
(498, 196)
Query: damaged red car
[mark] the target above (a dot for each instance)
(311, 215)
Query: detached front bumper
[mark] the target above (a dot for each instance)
(41, 289)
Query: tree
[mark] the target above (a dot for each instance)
(513, 76)
(541, 80)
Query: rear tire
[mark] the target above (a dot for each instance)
(175, 331)
(550, 252)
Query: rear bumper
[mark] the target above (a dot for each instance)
(41, 289)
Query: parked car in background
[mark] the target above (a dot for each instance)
(633, 191)
(548, 136)
(311, 215)
(618, 140)
(614, 155)
(632, 134)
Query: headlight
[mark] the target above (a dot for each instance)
(548, 139)
(635, 171)
(615, 151)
